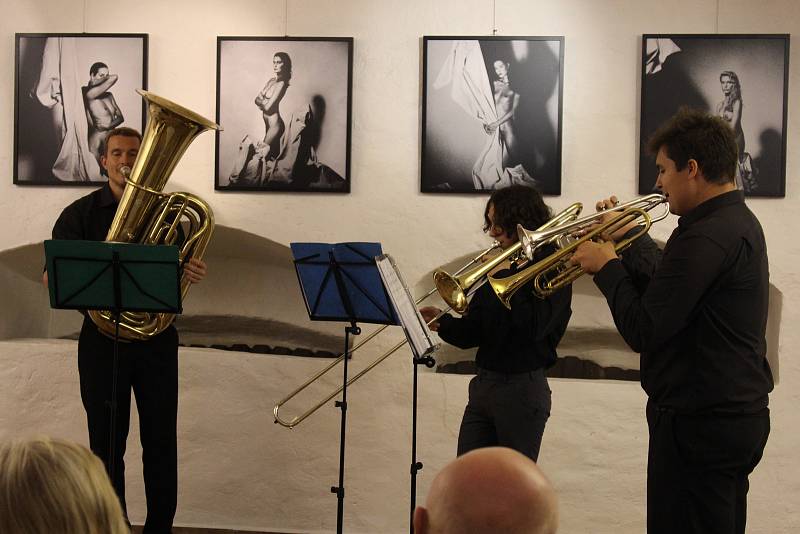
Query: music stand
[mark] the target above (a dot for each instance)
(422, 345)
(340, 282)
(119, 277)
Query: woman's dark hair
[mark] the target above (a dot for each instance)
(287, 64)
(516, 204)
(493, 73)
(705, 138)
(96, 67)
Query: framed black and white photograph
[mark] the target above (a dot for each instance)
(70, 90)
(284, 104)
(491, 113)
(742, 78)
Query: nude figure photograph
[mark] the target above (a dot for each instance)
(70, 91)
(741, 78)
(491, 113)
(285, 106)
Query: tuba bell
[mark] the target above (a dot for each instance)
(146, 215)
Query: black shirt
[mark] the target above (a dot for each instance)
(87, 218)
(511, 341)
(90, 217)
(698, 316)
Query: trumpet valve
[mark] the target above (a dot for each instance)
(565, 240)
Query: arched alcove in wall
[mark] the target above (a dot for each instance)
(250, 297)
(251, 301)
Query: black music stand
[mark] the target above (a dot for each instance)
(118, 277)
(340, 282)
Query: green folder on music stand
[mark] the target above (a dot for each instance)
(98, 275)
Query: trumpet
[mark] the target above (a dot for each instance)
(454, 289)
(553, 272)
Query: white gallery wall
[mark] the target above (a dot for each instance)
(600, 145)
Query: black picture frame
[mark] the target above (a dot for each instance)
(689, 69)
(464, 150)
(284, 134)
(58, 125)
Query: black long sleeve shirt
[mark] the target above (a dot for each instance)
(521, 339)
(87, 218)
(698, 314)
(90, 217)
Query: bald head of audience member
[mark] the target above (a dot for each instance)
(493, 489)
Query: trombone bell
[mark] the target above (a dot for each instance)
(454, 289)
(451, 291)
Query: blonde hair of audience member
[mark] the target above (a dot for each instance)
(50, 485)
(489, 490)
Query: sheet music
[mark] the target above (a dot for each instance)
(417, 331)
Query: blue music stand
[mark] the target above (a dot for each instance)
(341, 282)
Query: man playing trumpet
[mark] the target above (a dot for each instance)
(697, 313)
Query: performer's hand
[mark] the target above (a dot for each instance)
(607, 204)
(490, 128)
(195, 270)
(429, 313)
(592, 256)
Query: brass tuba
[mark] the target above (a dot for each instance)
(148, 216)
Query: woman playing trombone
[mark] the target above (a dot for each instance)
(509, 399)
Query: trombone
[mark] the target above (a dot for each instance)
(553, 272)
(452, 288)
(294, 421)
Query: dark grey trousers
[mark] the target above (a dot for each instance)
(508, 410)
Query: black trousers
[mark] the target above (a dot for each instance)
(508, 410)
(150, 368)
(698, 468)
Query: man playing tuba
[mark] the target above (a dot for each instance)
(148, 367)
